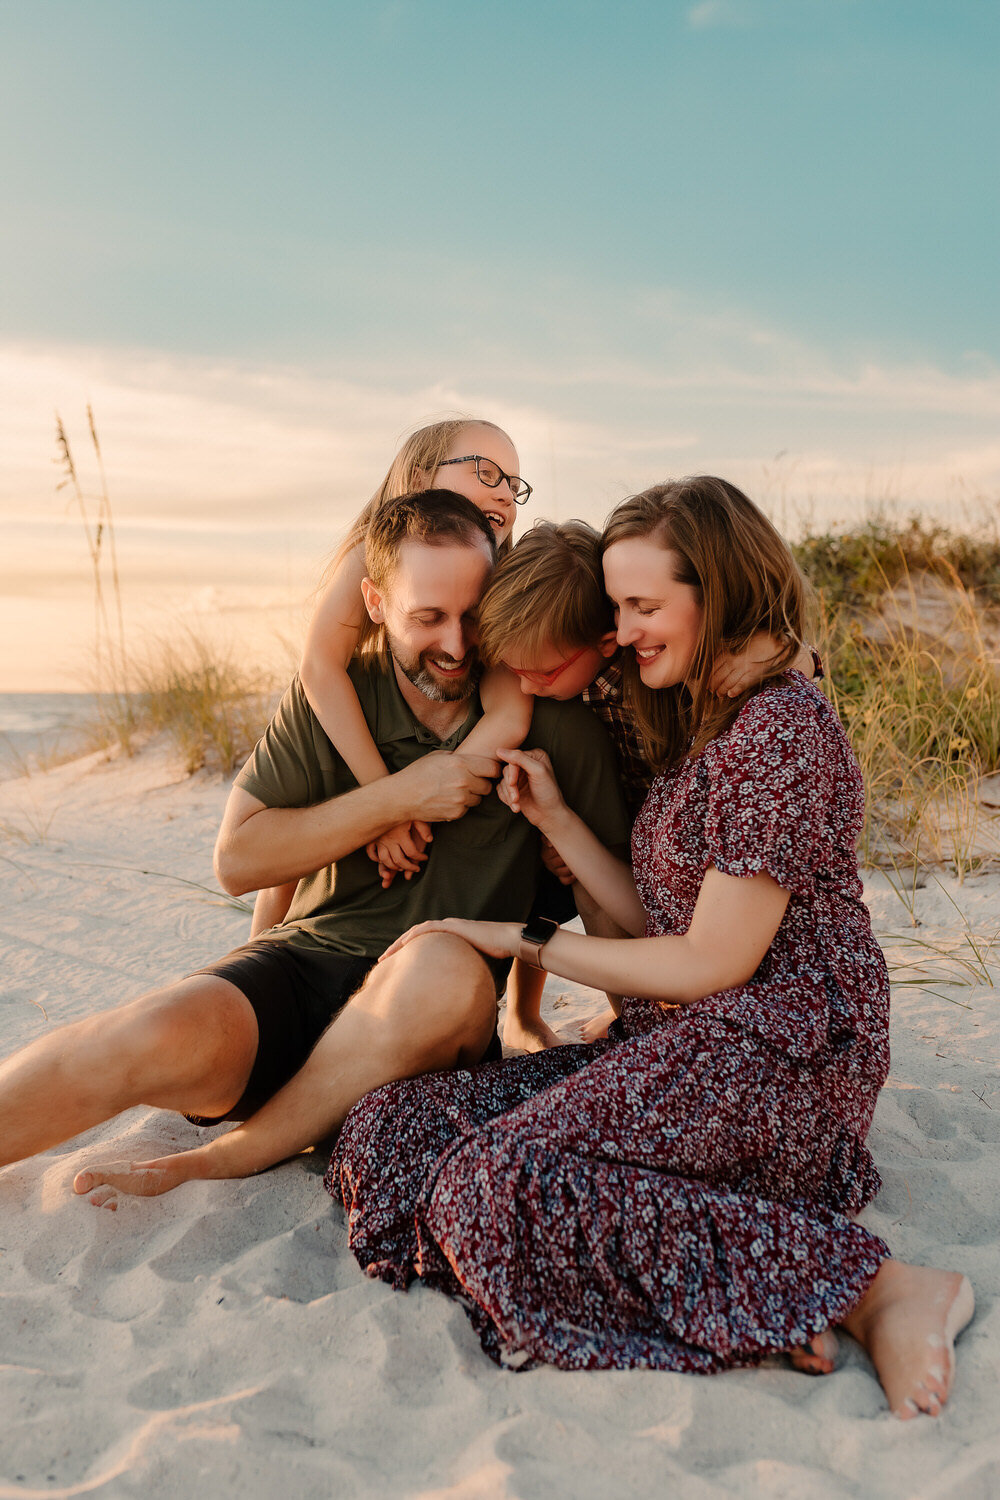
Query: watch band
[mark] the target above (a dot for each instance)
(534, 935)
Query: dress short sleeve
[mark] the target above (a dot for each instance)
(772, 788)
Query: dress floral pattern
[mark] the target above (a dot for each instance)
(678, 1196)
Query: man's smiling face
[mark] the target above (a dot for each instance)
(428, 608)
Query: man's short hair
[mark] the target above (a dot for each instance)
(548, 592)
(435, 517)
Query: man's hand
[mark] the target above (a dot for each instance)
(440, 787)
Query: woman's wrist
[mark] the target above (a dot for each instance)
(556, 823)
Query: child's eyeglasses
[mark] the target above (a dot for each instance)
(546, 679)
(491, 474)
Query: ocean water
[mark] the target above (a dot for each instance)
(38, 728)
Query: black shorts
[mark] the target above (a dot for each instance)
(553, 899)
(295, 994)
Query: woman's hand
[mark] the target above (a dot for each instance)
(529, 786)
(497, 939)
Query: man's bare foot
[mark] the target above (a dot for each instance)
(528, 1036)
(596, 1029)
(908, 1321)
(140, 1179)
(819, 1356)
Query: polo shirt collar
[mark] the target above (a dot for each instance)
(396, 720)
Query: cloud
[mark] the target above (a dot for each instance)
(709, 13)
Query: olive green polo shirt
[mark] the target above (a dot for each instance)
(483, 865)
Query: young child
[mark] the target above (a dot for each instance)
(546, 618)
(478, 460)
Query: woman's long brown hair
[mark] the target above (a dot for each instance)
(747, 580)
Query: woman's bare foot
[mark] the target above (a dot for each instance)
(596, 1029)
(140, 1179)
(528, 1036)
(819, 1356)
(908, 1321)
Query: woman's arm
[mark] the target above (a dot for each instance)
(733, 925)
(531, 789)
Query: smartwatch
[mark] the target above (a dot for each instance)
(534, 935)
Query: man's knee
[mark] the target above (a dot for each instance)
(438, 982)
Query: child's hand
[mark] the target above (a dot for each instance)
(401, 850)
(733, 674)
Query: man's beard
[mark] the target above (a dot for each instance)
(437, 690)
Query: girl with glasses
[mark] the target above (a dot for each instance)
(478, 460)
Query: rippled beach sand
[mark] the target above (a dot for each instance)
(222, 1340)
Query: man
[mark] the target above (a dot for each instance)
(249, 1036)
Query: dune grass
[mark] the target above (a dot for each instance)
(211, 704)
(914, 672)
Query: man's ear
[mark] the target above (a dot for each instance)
(608, 644)
(374, 601)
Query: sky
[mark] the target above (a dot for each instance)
(753, 237)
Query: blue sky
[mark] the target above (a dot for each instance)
(265, 239)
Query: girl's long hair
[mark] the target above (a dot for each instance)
(747, 580)
(413, 468)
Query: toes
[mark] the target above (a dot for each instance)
(105, 1197)
(83, 1182)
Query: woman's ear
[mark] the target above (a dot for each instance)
(374, 601)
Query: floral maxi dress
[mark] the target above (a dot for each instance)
(675, 1197)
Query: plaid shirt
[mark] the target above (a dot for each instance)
(606, 697)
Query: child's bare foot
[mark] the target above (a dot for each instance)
(141, 1179)
(528, 1036)
(908, 1321)
(596, 1029)
(819, 1356)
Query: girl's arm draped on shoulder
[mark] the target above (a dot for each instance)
(330, 642)
(506, 713)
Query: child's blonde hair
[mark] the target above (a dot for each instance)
(413, 468)
(549, 592)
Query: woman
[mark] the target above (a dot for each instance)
(677, 1197)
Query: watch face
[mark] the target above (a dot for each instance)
(538, 929)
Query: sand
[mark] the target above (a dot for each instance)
(222, 1340)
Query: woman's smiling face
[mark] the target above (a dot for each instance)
(658, 616)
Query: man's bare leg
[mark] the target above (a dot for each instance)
(188, 1047)
(431, 1006)
(908, 1321)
